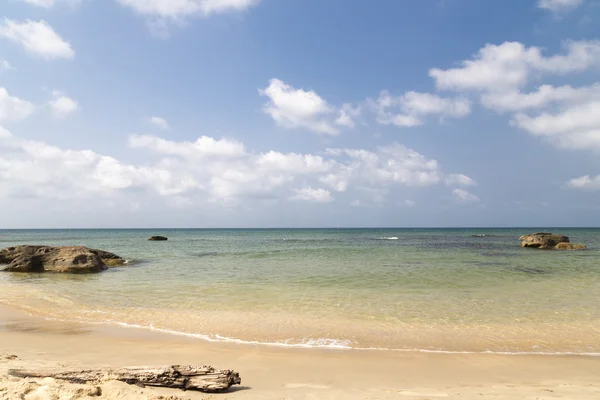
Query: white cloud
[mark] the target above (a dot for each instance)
(464, 196)
(5, 65)
(576, 127)
(161, 13)
(347, 115)
(460, 180)
(297, 108)
(48, 3)
(61, 105)
(159, 122)
(498, 68)
(202, 148)
(310, 194)
(564, 115)
(220, 171)
(559, 5)
(37, 38)
(184, 8)
(544, 96)
(410, 109)
(13, 108)
(585, 183)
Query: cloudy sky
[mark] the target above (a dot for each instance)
(271, 113)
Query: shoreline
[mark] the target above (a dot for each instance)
(294, 373)
(313, 344)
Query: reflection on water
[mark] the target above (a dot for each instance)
(443, 289)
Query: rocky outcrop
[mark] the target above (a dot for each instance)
(524, 237)
(66, 259)
(543, 240)
(547, 240)
(570, 246)
(158, 238)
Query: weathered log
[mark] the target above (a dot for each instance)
(184, 377)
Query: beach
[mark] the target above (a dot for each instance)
(312, 314)
(283, 373)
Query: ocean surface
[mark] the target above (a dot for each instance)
(448, 290)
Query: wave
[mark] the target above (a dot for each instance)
(333, 344)
(388, 238)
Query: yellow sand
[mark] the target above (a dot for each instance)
(279, 373)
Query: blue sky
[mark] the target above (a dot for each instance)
(266, 113)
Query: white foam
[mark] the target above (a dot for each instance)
(335, 344)
(388, 238)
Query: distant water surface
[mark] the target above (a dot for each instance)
(398, 289)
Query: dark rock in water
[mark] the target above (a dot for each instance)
(543, 240)
(158, 238)
(67, 259)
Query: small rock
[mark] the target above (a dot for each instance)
(543, 240)
(158, 238)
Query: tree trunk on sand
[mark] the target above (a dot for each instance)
(188, 377)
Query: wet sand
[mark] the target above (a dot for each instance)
(279, 373)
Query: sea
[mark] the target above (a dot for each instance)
(428, 290)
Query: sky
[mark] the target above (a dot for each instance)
(299, 113)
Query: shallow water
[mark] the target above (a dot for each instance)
(404, 289)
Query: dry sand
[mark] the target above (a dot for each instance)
(278, 373)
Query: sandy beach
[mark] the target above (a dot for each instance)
(278, 373)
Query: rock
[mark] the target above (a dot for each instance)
(67, 259)
(570, 246)
(158, 238)
(109, 259)
(534, 234)
(543, 240)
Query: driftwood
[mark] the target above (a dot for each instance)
(188, 377)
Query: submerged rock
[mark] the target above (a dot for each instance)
(67, 259)
(570, 246)
(157, 238)
(543, 240)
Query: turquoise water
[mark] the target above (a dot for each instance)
(397, 289)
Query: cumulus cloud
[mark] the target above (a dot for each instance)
(585, 183)
(298, 108)
(566, 116)
(460, 180)
(410, 109)
(160, 123)
(61, 105)
(160, 13)
(12, 108)
(464, 196)
(499, 68)
(48, 3)
(37, 38)
(347, 115)
(576, 127)
(221, 171)
(186, 8)
(559, 5)
(545, 95)
(313, 195)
